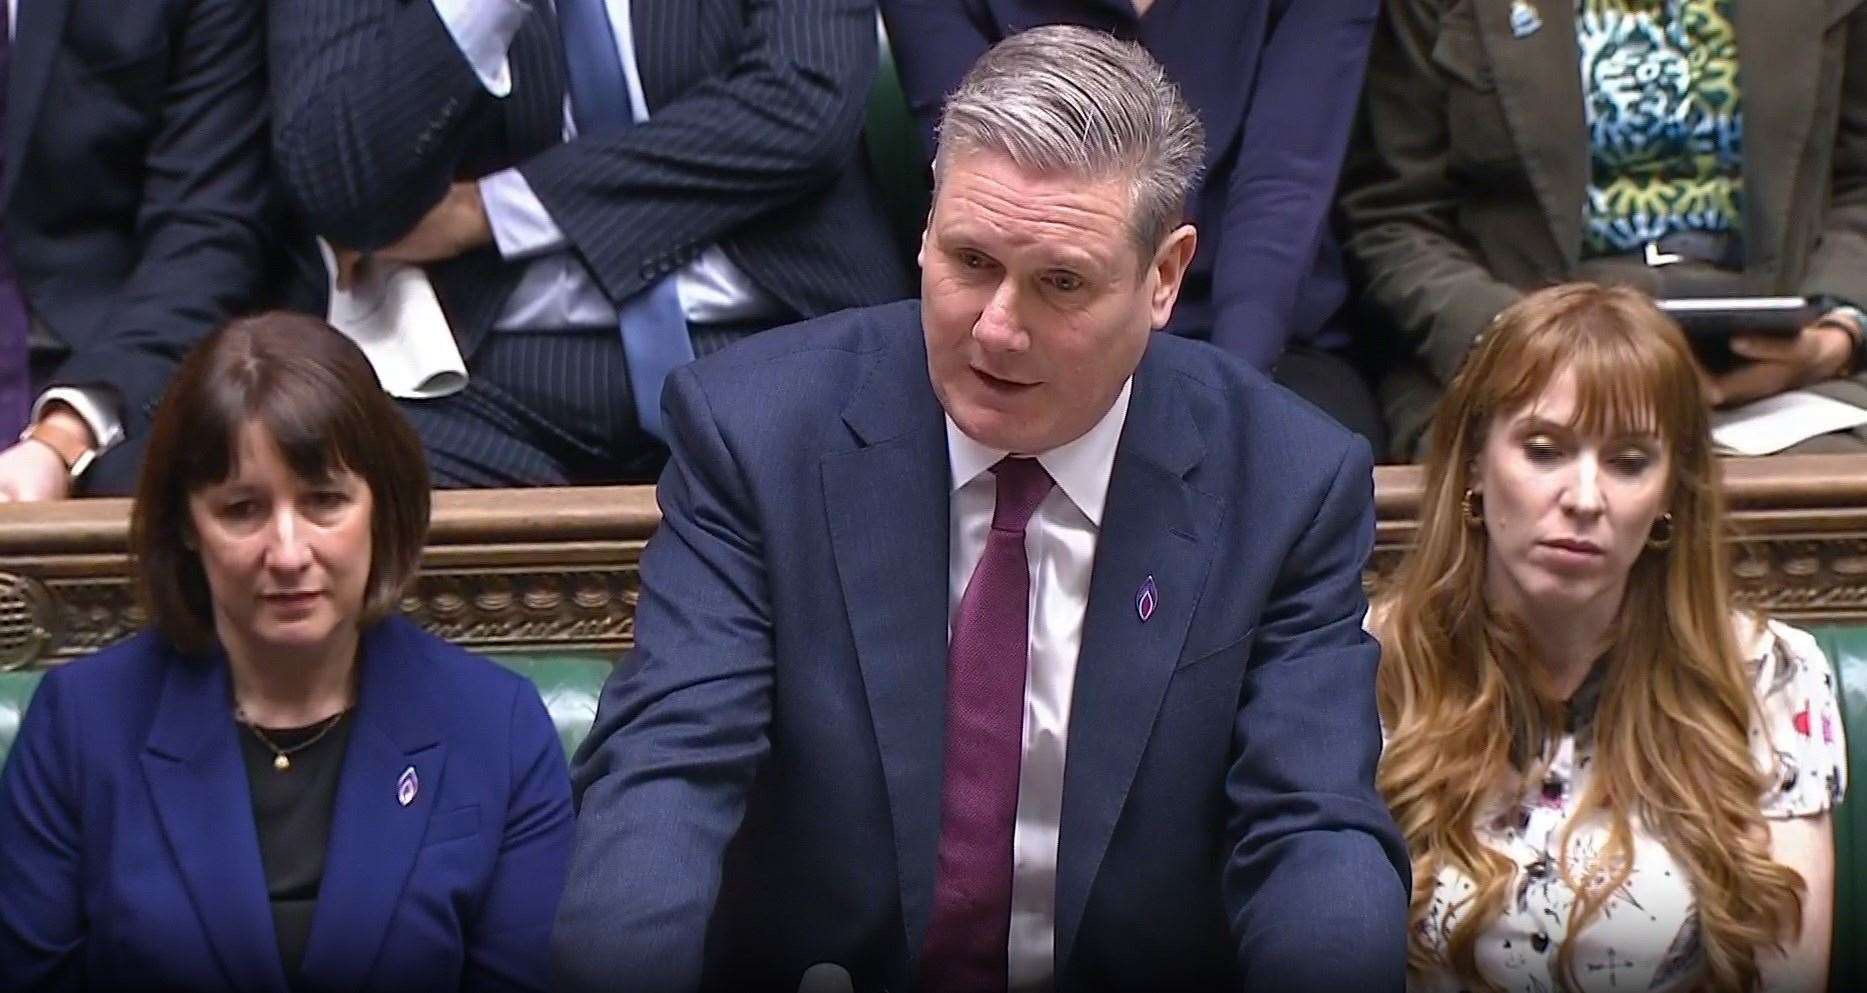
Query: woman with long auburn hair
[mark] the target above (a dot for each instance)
(1608, 778)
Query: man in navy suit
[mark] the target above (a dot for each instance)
(134, 206)
(1022, 652)
(1275, 82)
(598, 190)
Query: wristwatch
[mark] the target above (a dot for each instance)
(71, 447)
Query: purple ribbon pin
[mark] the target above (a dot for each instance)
(407, 786)
(1147, 599)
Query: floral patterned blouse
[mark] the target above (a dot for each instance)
(1646, 937)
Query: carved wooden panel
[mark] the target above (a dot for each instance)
(557, 569)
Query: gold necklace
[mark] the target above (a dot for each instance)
(281, 757)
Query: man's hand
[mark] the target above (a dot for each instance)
(1776, 365)
(455, 226)
(36, 469)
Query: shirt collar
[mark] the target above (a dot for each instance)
(1081, 467)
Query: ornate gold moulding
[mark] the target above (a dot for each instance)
(556, 569)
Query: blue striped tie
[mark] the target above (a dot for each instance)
(654, 328)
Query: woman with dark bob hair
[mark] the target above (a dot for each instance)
(1608, 777)
(283, 786)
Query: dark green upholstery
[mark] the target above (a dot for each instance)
(15, 689)
(1846, 648)
(569, 683)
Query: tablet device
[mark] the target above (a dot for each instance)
(1710, 323)
(1718, 318)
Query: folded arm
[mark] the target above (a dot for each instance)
(776, 126)
(374, 103)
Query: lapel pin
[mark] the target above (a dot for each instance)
(1524, 20)
(407, 786)
(1146, 599)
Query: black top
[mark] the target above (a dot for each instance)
(292, 810)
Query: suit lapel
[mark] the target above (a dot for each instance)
(197, 783)
(888, 504)
(1779, 51)
(36, 41)
(1539, 80)
(1154, 524)
(374, 836)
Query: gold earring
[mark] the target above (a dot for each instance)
(1660, 542)
(1474, 509)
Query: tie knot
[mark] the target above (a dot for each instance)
(1022, 485)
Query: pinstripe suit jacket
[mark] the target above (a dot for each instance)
(756, 108)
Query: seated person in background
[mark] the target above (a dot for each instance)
(681, 171)
(1275, 83)
(1609, 779)
(897, 539)
(133, 216)
(283, 785)
(1704, 148)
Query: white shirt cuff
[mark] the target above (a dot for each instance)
(94, 406)
(483, 30)
(522, 227)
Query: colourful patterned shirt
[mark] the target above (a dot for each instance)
(1660, 87)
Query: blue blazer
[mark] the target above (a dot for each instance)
(761, 791)
(129, 859)
(1274, 81)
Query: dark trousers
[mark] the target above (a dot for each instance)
(546, 409)
(1330, 381)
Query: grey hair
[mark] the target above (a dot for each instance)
(1072, 100)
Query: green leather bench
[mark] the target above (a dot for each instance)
(568, 682)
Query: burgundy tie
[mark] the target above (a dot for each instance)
(986, 658)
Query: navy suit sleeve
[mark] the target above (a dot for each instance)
(508, 941)
(934, 42)
(207, 199)
(1317, 863)
(372, 105)
(41, 918)
(777, 126)
(1290, 151)
(681, 729)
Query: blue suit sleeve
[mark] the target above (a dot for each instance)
(41, 917)
(681, 729)
(1289, 159)
(509, 940)
(1317, 881)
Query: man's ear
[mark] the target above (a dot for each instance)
(1168, 272)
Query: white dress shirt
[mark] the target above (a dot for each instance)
(556, 291)
(1060, 545)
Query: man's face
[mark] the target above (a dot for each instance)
(1035, 302)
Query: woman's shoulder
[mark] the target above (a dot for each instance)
(1797, 736)
(472, 688)
(121, 669)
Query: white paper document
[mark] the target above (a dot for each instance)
(1775, 423)
(392, 314)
